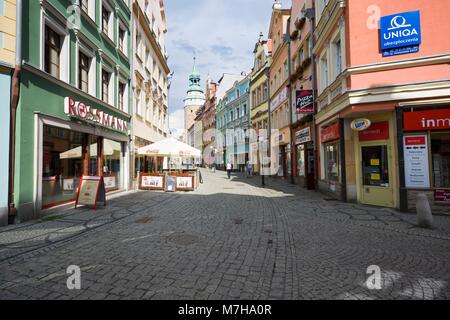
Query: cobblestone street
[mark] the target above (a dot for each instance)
(231, 239)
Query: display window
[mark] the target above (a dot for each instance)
(440, 155)
(63, 164)
(332, 165)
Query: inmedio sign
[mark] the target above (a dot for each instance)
(400, 33)
(84, 112)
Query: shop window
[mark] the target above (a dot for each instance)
(52, 52)
(440, 152)
(332, 165)
(61, 165)
(112, 156)
(375, 166)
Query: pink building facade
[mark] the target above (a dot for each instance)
(387, 64)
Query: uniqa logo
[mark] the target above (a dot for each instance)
(401, 27)
(360, 124)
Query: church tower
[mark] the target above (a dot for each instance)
(194, 100)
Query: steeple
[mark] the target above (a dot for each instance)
(194, 80)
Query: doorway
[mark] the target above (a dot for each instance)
(376, 186)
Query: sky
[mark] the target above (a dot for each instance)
(222, 33)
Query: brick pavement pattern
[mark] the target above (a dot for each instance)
(231, 239)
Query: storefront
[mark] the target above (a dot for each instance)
(331, 159)
(281, 153)
(304, 157)
(72, 135)
(426, 152)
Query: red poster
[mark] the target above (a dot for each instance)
(331, 133)
(442, 195)
(426, 120)
(415, 140)
(377, 131)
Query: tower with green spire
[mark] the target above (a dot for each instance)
(194, 100)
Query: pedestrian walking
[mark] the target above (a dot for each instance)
(248, 168)
(229, 168)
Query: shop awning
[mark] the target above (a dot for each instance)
(169, 147)
(110, 148)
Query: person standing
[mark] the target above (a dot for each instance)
(248, 168)
(229, 167)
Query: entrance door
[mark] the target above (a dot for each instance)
(377, 185)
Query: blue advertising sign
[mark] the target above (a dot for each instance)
(400, 30)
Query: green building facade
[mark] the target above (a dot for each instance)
(73, 117)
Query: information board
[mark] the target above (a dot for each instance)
(91, 190)
(185, 183)
(415, 150)
(151, 182)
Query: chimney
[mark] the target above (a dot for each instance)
(277, 5)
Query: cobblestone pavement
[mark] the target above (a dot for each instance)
(230, 239)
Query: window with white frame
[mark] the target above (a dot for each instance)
(107, 95)
(139, 45)
(107, 19)
(88, 7)
(138, 102)
(337, 57)
(123, 38)
(87, 68)
(123, 95)
(323, 72)
(55, 50)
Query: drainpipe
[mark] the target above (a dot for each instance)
(291, 142)
(15, 91)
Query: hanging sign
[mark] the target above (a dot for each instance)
(91, 190)
(415, 150)
(304, 101)
(400, 33)
(360, 124)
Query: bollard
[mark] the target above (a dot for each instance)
(423, 209)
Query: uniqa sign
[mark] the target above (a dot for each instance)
(400, 30)
(360, 124)
(84, 112)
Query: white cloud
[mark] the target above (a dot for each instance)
(223, 34)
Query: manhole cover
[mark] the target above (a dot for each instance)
(238, 221)
(183, 239)
(144, 220)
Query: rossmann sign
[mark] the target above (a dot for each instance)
(400, 33)
(85, 112)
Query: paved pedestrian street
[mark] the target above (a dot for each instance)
(231, 239)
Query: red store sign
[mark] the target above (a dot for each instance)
(426, 120)
(331, 133)
(377, 131)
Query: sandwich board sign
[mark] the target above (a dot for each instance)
(91, 190)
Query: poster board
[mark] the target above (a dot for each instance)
(91, 190)
(171, 182)
(151, 181)
(185, 183)
(415, 148)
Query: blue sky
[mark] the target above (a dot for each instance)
(222, 33)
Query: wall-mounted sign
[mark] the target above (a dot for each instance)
(426, 120)
(304, 101)
(377, 131)
(360, 124)
(279, 99)
(331, 133)
(87, 113)
(303, 135)
(400, 33)
(442, 195)
(415, 150)
(91, 190)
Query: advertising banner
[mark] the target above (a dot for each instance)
(415, 150)
(90, 191)
(304, 101)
